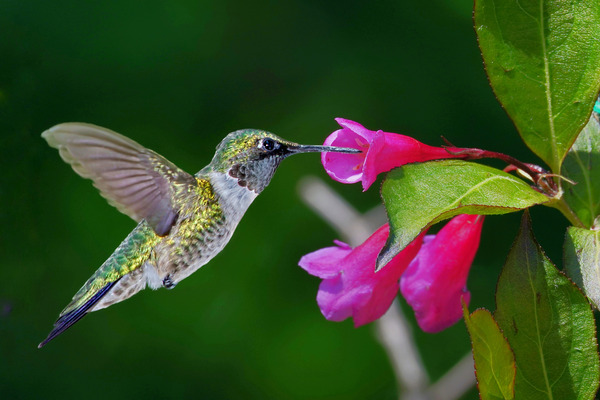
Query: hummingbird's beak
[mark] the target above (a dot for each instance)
(302, 148)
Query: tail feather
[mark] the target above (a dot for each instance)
(68, 319)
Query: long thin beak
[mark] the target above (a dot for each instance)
(302, 148)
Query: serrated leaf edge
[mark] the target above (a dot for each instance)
(470, 316)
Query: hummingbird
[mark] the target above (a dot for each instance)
(183, 220)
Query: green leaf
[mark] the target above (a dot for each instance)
(417, 196)
(582, 165)
(542, 58)
(494, 360)
(548, 323)
(582, 260)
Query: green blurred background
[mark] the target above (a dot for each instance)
(177, 76)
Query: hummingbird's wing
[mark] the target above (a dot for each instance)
(137, 181)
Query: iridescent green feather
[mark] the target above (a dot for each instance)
(131, 254)
(233, 149)
(200, 224)
(207, 211)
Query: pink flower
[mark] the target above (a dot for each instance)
(382, 151)
(436, 279)
(350, 285)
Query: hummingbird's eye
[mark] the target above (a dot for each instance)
(268, 144)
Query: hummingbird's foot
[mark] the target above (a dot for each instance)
(168, 282)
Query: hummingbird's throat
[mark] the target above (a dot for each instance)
(245, 178)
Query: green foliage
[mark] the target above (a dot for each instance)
(417, 196)
(543, 61)
(548, 323)
(494, 360)
(582, 260)
(582, 166)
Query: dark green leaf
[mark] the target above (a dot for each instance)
(542, 58)
(418, 195)
(582, 260)
(494, 360)
(582, 165)
(548, 323)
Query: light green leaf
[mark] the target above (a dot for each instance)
(582, 165)
(542, 58)
(548, 323)
(494, 360)
(582, 260)
(417, 196)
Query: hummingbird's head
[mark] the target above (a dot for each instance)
(252, 156)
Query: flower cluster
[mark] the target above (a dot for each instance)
(431, 272)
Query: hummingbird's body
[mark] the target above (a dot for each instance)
(184, 220)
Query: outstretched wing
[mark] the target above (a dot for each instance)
(137, 181)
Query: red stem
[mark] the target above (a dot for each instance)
(537, 173)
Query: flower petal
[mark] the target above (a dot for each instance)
(344, 168)
(325, 262)
(379, 302)
(370, 168)
(357, 128)
(337, 302)
(436, 279)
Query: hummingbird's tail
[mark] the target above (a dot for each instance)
(121, 276)
(68, 319)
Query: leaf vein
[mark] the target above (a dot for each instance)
(477, 186)
(547, 91)
(537, 324)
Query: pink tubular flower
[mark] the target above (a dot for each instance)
(436, 279)
(382, 151)
(350, 285)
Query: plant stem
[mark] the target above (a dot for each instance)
(550, 187)
(537, 174)
(562, 206)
